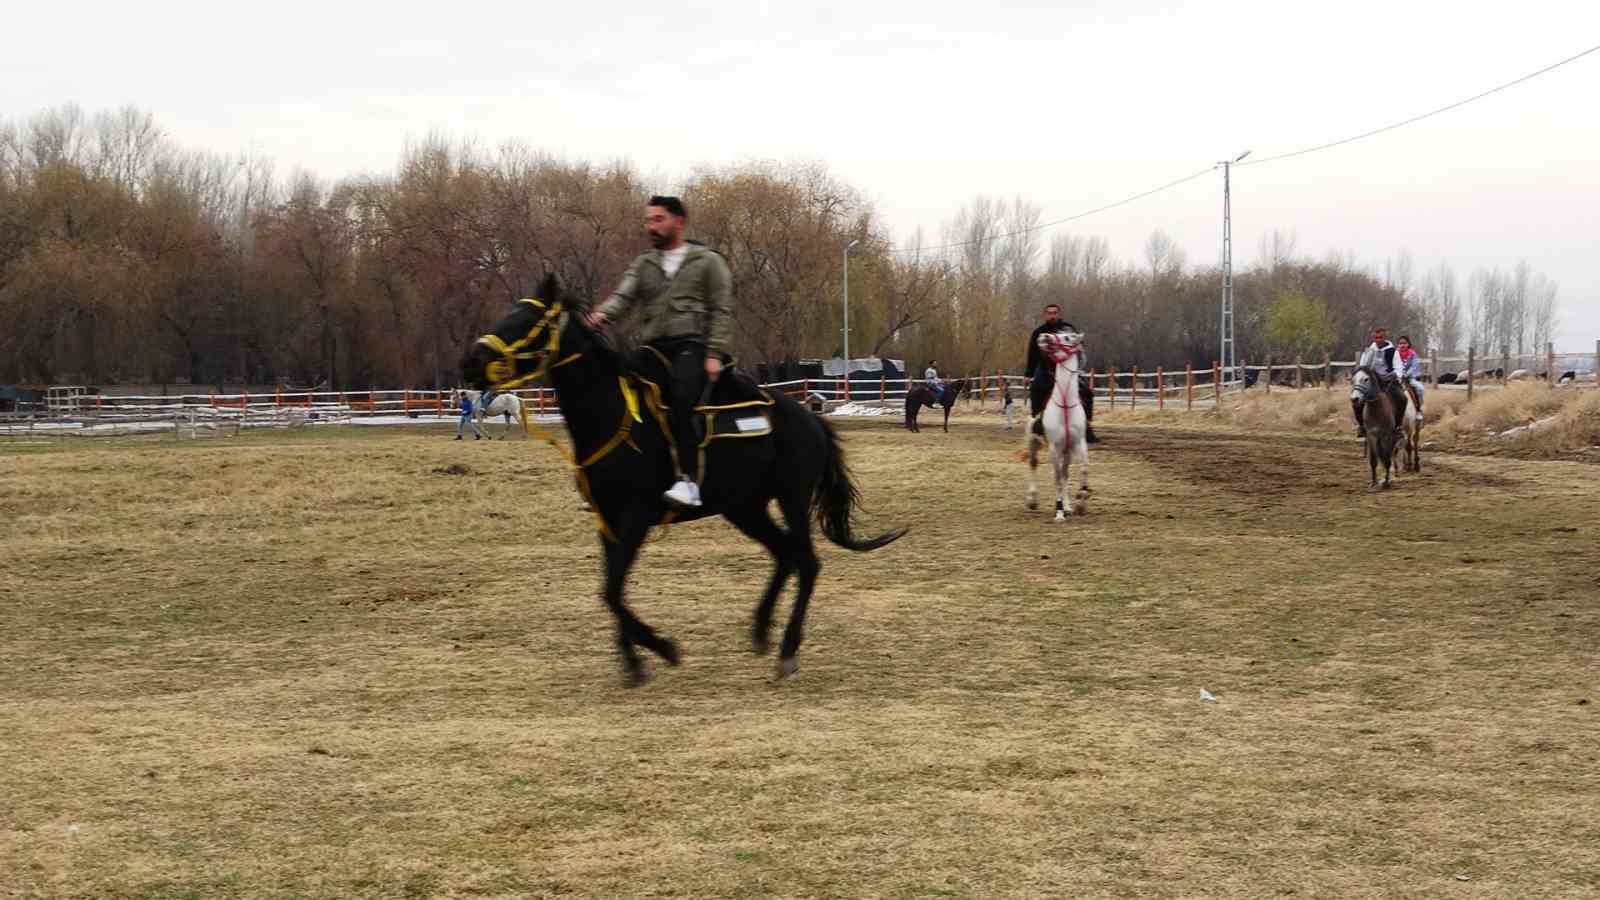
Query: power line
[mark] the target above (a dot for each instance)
(1255, 162)
(1442, 109)
(1099, 209)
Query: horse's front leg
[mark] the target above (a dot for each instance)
(631, 631)
(1058, 460)
(1080, 449)
(1033, 471)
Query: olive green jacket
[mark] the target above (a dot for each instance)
(697, 302)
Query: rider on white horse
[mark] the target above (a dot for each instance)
(1410, 368)
(1063, 423)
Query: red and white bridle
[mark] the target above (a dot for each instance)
(1059, 349)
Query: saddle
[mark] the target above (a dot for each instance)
(735, 406)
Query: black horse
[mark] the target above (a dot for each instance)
(624, 466)
(920, 396)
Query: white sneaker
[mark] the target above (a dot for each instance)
(684, 493)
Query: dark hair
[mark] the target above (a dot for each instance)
(1055, 306)
(1407, 339)
(671, 204)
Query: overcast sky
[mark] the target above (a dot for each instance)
(1071, 105)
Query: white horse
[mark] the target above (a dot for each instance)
(1065, 426)
(508, 405)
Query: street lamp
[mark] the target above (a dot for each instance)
(847, 317)
(1229, 355)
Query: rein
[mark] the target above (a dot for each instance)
(1062, 395)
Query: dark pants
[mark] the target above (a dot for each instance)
(1039, 395)
(685, 385)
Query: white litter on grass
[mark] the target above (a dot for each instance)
(1207, 695)
(860, 409)
(1530, 427)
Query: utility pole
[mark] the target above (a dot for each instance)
(1229, 357)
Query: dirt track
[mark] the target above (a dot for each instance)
(318, 664)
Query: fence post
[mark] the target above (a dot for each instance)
(805, 391)
(1161, 388)
(1550, 363)
(1111, 388)
(1299, 373)
(883, 388)
(1133, 389)
(1433, 366)
(438, 403)
(1216, 382)
(1472, 365)
(1188, 384)
(1505, 362)
(1327, 372)
(277, 395)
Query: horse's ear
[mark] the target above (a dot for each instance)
(550, 290)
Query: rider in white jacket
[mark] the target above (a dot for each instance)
(1383, 358)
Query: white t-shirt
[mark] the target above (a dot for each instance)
(672, 260)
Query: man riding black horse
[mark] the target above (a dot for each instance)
(684, 292)
(1040, 372)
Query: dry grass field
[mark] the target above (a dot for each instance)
(372, 663)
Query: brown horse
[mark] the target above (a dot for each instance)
(920, 396)
(1377, 422)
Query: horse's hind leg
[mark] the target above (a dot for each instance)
(796, 508)
(759, 527)
(631, 630)
(1058, 461)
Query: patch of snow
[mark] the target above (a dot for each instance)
(853, 409)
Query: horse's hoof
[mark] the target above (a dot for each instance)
(1060, 516)
(669, 651)
(787, 666)
(636, 677)
(1033, 502)
(1079, 508)
(760, 644)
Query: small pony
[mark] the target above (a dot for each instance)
(507, 404)
(1065, 426)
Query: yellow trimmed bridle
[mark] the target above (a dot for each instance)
(502, 376)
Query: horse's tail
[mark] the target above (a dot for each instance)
(837, 497)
